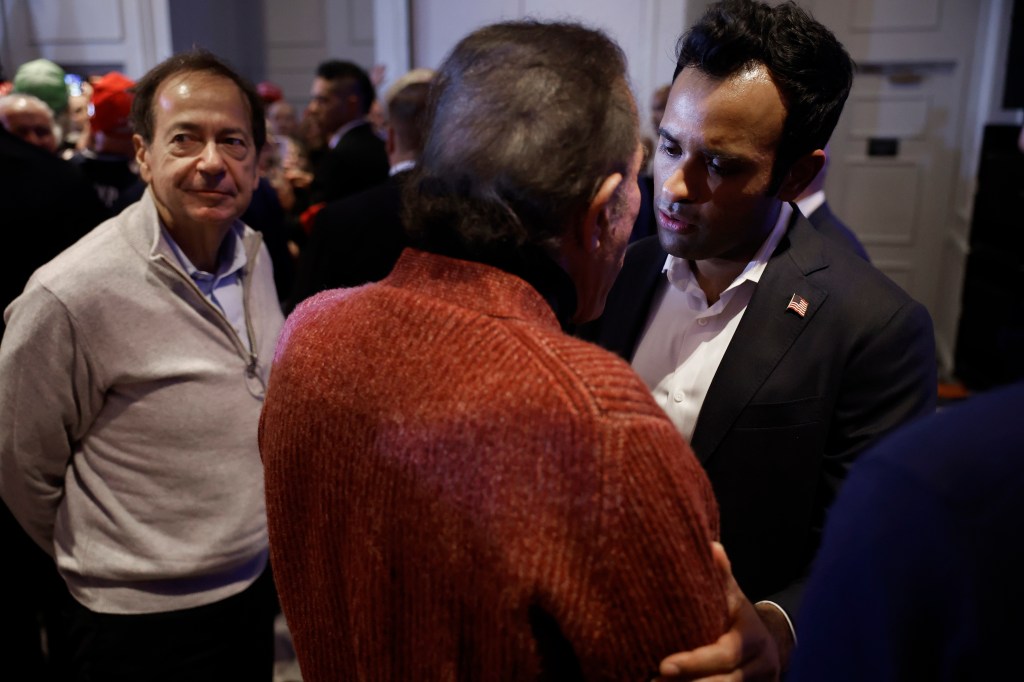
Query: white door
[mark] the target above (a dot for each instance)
(92, 37)
(895, 152)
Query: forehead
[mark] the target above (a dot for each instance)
(325, 88)
(32, 114)
(25, 108)
(742, 111)
(201, 98)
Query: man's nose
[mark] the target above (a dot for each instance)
(684, 184)
(211, 160)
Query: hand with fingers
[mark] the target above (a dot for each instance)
(746, 652)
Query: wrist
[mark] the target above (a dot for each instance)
(780, 627)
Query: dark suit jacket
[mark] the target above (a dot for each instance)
(48, 205)
(919, 574)
(826, 222)
(795, 399)
(354, 240)
(359, 161)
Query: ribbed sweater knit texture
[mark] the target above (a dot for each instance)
(457, 490)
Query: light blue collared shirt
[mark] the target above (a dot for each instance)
(223, 288)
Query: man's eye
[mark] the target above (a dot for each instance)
(236, 147)
(718, 168)
(667, 148)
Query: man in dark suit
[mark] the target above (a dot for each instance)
(814, 207)
(778, 352)
(358, 239)
(355, 158)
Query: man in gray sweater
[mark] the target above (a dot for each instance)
(132, 374)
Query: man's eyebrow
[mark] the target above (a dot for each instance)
(192, 127)
(706, 151)
(183, 125)
(723, 156)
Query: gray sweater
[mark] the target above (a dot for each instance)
(128, 417)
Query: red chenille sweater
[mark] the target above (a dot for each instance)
(457, 490)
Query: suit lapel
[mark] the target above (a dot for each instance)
(629, 302)
(764, 335)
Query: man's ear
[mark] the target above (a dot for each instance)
(354, 105)
(142, 157)
(598, 217)
(800, 174)
(391, 141)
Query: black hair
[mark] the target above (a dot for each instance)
(808, 65)
(352, 75)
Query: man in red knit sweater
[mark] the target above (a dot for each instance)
(456, 489)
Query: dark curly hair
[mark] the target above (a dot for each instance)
(810, 67)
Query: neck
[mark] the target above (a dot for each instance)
(715, 275)
(350, 123)
(200, 244)
(399, 156)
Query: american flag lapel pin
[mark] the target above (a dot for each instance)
(798, 304)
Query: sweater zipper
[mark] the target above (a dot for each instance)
(247, 354)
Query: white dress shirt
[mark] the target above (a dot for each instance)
(811, 203)
(340, 132)
(222, 288)
(685, 338)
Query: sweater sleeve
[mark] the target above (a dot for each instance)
(47, 402)
(652, 571)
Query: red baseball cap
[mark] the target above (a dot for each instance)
(111, 106)
(269, 92)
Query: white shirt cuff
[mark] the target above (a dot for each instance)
(785, 615)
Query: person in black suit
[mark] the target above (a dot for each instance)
(779, 353)
(355, 158)
(358, 239)
(814, 207)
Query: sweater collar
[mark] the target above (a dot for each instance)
(530, 287)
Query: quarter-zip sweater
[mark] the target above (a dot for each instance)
(128, 415)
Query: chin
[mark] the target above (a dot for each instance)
(676, 245)
(588, 311)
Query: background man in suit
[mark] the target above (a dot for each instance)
(357, 239)
(355, 157)
(814, 207)
(780, 354)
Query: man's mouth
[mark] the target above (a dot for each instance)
(675, 222)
